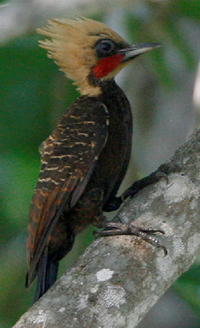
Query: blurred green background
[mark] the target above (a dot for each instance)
(34, 93)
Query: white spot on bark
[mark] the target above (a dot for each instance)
(94, 290)
(62, 309)
(41, 318)
(107, 320)
(178, 190)
(114, 296)
(104, 274)
(82, 302)
(193, 243)
(179, 247)
(165, 267)
(186, 227)
(194, 204)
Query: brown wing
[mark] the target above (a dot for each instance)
(68, 159)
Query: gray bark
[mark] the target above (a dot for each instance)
(118, 279)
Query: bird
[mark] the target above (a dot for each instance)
(85, 159)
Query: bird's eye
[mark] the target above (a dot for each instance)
(105, 48)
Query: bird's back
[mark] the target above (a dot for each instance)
(83, 164)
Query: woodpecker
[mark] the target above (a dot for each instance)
(84, 160)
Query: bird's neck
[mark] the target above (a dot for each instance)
(113, 96)
(108, 87)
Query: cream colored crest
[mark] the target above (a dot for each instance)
(72, 47)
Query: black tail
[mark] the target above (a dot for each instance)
(46, 276)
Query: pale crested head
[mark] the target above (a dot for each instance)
(72, 46)
(88, 51)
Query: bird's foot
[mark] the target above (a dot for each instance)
(114, 229)
(161, 173)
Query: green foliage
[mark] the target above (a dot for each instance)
(33, 95)
(188, 286)
(161, 23)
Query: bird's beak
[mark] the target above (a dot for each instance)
(137, 49)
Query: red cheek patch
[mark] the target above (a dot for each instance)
(107, 65)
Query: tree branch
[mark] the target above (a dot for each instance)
(118, 279)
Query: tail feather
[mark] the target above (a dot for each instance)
(45, 267)
(46, 276)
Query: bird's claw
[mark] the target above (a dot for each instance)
(114, 229)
